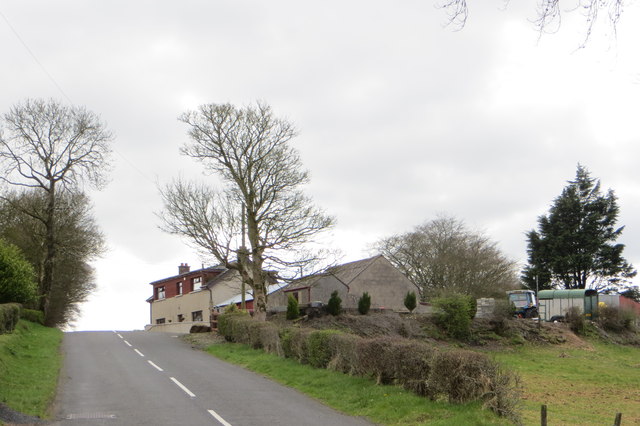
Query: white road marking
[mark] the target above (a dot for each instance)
(128, 344)
(218, 418)
(183, 387)
(119, 335)
(138, 352)
(155, 366)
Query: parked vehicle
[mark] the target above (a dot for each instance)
(525, 303)
(554, 304)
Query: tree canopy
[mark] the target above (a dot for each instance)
(443, 256)
(575, 244)
(260, 220)
(78, 243)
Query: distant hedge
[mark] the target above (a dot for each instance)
(33, 316)
(459, 376)
(9, 316)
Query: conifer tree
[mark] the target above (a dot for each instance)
(575, 244)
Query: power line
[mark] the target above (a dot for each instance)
(55, 83)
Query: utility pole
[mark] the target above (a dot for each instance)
(243, 250)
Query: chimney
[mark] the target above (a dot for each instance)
(183, 268)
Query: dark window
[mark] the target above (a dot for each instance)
(180, 317)
(160, 321)
(196, 316)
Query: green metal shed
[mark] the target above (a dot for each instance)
(557, 302)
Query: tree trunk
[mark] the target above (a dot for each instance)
(50, 250)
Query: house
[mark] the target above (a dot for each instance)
(386, 285)
(186, 299)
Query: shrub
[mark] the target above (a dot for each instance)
(575, 319)
(9, 316)
(461, 375)
(364, 304)
(293, 311)
(33, 316)
(320, 351)
(396, 360)
(410, 301)
(230, 325)
(453, 315)
(17, 283)
(334, 307)
(345, 354)
(503, 312)
(294, 344)
(614, 319)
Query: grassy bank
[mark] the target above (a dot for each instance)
(29, 364)
(584, 385)
(356, 396)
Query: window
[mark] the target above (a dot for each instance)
(159, 320)
(196, 316)
(179, 288)
(197, 283)
(180, 317)
(160, 293)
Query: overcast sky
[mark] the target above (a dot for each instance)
(400, 118)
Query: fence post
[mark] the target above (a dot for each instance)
(543, 415)
(618, 420)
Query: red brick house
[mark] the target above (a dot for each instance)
(181, 301)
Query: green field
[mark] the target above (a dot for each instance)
(584, 385)
(30, 362)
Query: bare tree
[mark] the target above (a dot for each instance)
(549, 13)
(52, 148)
(443, 256)
(261, 218)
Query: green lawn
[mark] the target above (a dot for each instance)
(356, 396)
(585, 386)
(30, 362)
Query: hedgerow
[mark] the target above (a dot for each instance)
(459, 376)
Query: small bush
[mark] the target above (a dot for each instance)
(503, 312)
(462, 376)
(9, 316)
(231, 325)
(410, 301)
(334, 307)
(614, 319)
(295, 344)
(396, 360)
(453, 315)
(320, 351)
(576, 320)
(364, 304)
(345, 354)
(293, 311)
(33, 316)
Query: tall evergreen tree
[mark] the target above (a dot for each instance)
(575, 244)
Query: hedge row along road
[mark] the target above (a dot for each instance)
(126, 378)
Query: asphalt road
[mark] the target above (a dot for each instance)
(143, 378)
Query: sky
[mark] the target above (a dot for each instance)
(400, 117)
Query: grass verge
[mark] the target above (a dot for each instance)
(355, 396)
(30, 361)
(585, 386)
